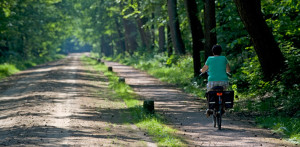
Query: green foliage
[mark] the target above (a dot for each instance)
(13, 65)
(7, 70)
(290, 127)
(32, 29)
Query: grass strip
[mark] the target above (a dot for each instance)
(289, 127)
(15, 65)
(153, 124)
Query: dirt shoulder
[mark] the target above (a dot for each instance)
(63, 103)
(186, 113)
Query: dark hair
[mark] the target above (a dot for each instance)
(217, 49)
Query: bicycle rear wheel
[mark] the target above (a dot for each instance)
(219, 121)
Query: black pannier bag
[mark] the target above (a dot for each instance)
(213, 99)
(228, 97)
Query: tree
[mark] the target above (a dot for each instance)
(267, 50)
(169, 41)
(209, 26)
(197, 33)
(130, 31)
(143, 29)
(120, 38)
(162, 38)
(174, 27)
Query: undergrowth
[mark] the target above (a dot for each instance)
(13, 65)
(153, 124)
(277, 99)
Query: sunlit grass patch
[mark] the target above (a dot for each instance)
(15, 65)
(7, 69)
(163, 134)
(289, 127)
(152, 123)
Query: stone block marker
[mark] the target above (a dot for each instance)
(110, 68)
(149, 106)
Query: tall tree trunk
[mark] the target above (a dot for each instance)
(174, 26)
(145, 35)
(153, 30)
(106, 48)
(130, 36)
(197, 33)
(169, 43)
(209, 24)
(130, 31)
(120, 41)
(162, 38)
(267, 50)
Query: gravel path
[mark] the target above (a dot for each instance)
(186, 113)
(63, 104)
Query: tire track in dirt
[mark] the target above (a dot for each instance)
(186, 113)
(63, 104)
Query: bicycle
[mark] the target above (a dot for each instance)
(218, 100)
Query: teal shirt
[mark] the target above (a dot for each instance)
(217, 68)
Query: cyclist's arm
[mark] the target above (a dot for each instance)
(204, 69)
(227, 68)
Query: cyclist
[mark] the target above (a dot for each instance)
(217, 67)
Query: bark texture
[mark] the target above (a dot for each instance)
(130, 36)
(267, 50)
(197, 33)
(120, 42)
(145, 35)
(169, 41)
(174, 27)
(162, 38)
(209, 24)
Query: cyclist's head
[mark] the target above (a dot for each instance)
(217, 49)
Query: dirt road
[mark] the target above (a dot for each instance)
(63, 104)
(186, 113)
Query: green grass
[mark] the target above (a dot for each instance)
(14, 65)
(153, 124)
(289, 127)
(7, 70)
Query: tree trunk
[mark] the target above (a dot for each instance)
(197, 33)
(120, 41)
(130, 36)
(145, 35)
(106, 49)
(174, 27)
(267, 50)
(130, 32)
(162, 39)
(153, 31)
(169, 43)
(209, 24)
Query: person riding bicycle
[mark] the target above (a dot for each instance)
(217, 67)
